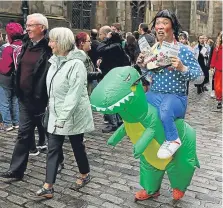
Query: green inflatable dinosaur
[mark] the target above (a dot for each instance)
(118, 93)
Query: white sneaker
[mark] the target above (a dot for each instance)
(212, 94)
(9, 128)
(168, 148)
(41, 147)
(34, 152)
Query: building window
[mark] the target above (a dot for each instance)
(138, 13)
(81, 14)
(203, 6)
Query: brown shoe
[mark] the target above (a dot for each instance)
(45, 193)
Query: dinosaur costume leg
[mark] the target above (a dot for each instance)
(181, 169)
(150, 177)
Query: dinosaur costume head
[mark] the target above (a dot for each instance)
(117, 93)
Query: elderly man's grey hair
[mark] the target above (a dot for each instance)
(40, 18)
(105, 29)
(64, 38)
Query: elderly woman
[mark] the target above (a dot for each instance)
(83, 42)
(69, 107)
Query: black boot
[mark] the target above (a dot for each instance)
(219, 106)
(199, 89)
(109, 128)
(12, 175)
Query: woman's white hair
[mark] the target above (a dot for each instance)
(64, 38)
(40, 18)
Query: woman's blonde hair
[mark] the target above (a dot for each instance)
(194, 43)
(64, 38)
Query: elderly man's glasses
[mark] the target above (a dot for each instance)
(31, 25)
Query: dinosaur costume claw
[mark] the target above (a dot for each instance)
(119, 93)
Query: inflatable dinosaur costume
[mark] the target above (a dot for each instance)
(119, 93)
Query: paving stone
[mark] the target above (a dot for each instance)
(121, 165)
(207, 186)
(73, 202)
(208, 198)
(3, 185)
(8, 204)
(54, 204)
(35, 205)
(112, 173)
(91, 191)
(72, 193)
(149, 203)
(218, 178)
(111, 198)
(101, 181)
(90, 206)
(92, 199)
(16, 199)
(120, 187)
(118, 180)
(3, 194)
(212, 205)
(110, 205)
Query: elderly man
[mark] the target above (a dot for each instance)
(31, 91)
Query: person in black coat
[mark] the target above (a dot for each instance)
(110, 50)
(31, 91)
(93, 54)
(111, 55)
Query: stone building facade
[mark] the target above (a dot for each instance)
(196, 17)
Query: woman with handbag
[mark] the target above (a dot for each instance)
(69, 108)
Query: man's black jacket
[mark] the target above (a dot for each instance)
(93, 54)
(112, 55)
(38, 98)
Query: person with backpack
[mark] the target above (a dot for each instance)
(9, 102)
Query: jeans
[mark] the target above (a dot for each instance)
(9, 107)
(170, 107)
(55, 155)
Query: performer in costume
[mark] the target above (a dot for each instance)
(121, 92)
(168, 87)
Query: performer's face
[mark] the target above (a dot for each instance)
(164, 29)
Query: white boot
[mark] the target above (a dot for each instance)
(168, 148)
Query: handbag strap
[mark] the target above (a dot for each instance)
(54, 76)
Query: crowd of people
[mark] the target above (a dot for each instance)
(46, 78)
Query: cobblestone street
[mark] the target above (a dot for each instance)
(115, 173)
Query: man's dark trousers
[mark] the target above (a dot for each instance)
(25, 140)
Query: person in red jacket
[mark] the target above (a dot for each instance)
(216, 63)
(9, 102)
